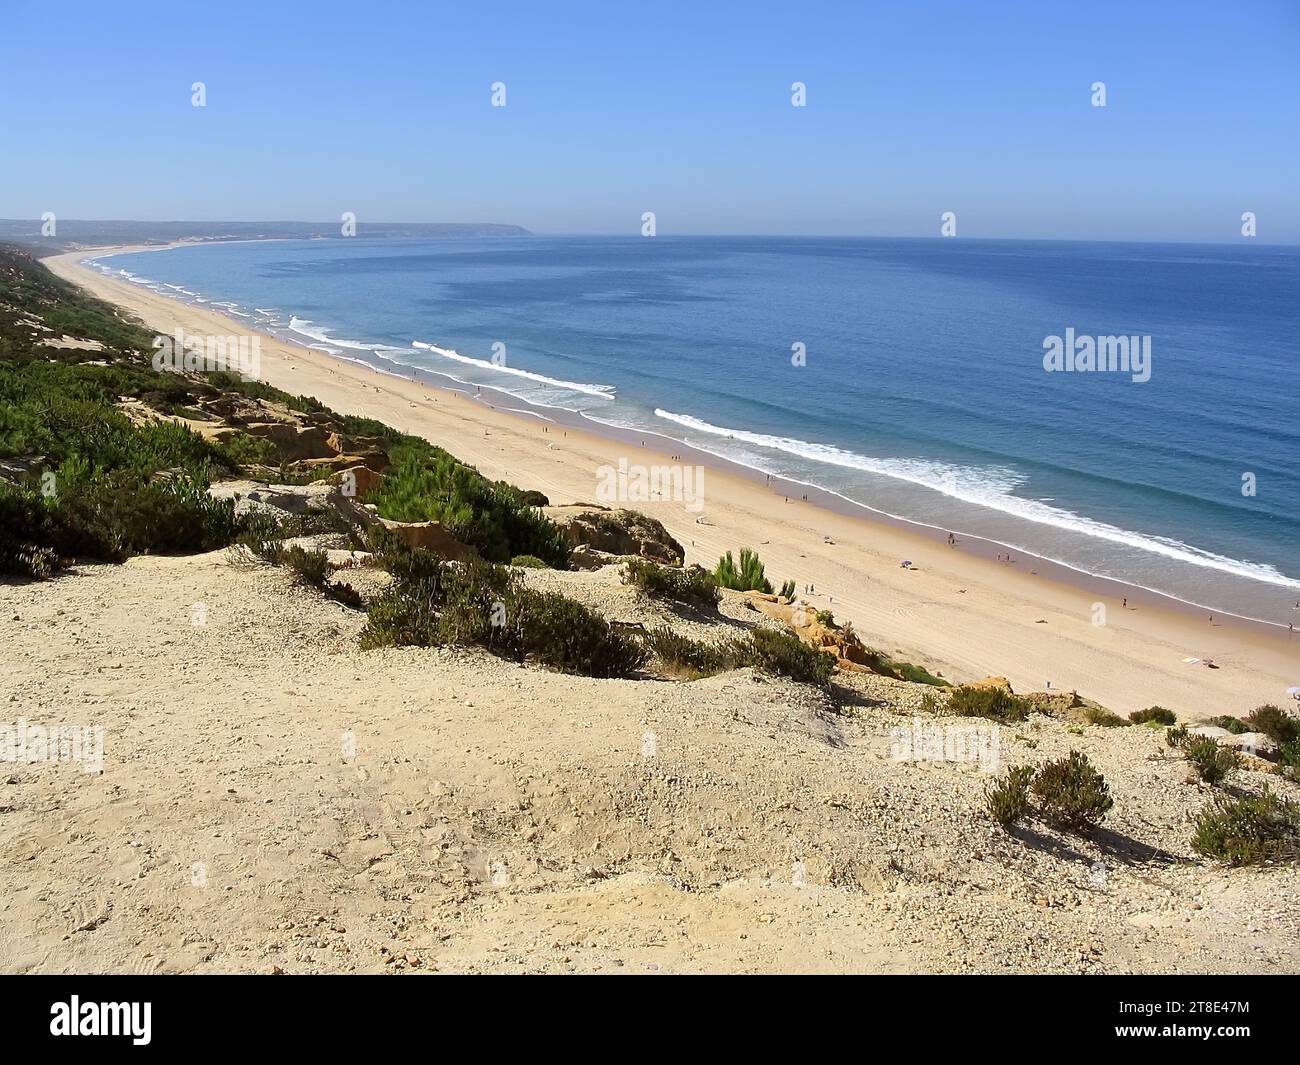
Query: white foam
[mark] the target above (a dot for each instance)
(991, 487)
(602, 391)
(299, 325)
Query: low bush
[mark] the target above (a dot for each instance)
(787, 655)
(434, 602)
(1233, 724)
(1099, 715)
(1176, 736)
(998, 704)
(1153, 715)
(1248, 830)
(787, 590)
(528, 562)
(694, 584)
(1274, 722)
(1212, 762)
(693, 659)
(1070, 793)
(1007, 799)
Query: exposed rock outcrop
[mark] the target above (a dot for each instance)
(617, 532)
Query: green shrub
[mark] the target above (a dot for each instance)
(1177, 736)
(693, 659)
(1212, 762)
(1274, 722)
(827, 618)
(1288, 757)
(528, 562)
(1153, 715)
(1070, 793)
(1007, 799)
(694, 584)
(562, 633)
(998, 704)
(1099, 715)
(785, 654)
(434, 602)
(308, 567)
(1233, 724)
(243, 449)
(746, 577)
(1248, 830)
(787, 590)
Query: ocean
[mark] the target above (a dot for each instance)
(908, 377)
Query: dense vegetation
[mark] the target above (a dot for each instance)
(87, 481)
(96, 484)
(426, 483)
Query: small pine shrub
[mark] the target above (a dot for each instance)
(998, 704)
(787, 590)
(1007, 799)
(1212, 762)
(827, 618)
(1071, 794)
(1248, 830)
(746, 577)
(1153, 715)
(528, 562)
(1176, 736)
(785, 654)
(1233, 724)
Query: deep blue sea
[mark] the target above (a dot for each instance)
(922, 394)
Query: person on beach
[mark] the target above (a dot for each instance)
(952, 540)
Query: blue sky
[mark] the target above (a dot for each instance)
(683, 109)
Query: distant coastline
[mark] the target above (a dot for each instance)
(74, 234)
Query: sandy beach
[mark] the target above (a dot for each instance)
(959, 611)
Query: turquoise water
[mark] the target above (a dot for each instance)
(922, 394)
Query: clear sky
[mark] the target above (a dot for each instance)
(682, 108)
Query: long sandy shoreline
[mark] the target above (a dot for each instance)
(959, 611)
